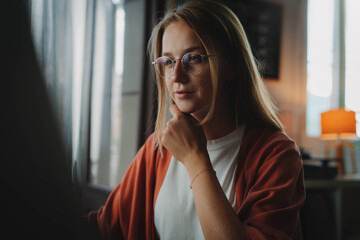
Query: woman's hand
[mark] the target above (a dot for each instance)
(186, 141)
(184, 138)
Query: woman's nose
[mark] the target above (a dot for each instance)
(179, 74)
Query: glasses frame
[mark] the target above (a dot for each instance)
(173, 62)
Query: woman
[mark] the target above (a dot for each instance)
(224, 140)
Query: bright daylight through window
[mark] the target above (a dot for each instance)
(333, 77)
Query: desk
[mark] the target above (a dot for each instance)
(344, 193)
(345, 181)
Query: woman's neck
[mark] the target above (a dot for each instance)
(223, 120)
(219, 126)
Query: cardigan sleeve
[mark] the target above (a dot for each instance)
(273, 190)
(129, 207)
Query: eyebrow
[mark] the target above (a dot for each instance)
(190, 49)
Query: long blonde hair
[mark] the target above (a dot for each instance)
(218, 29)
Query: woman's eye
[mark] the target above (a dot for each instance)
(168, 63)
(195, 59)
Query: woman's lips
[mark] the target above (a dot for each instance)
(183, 94)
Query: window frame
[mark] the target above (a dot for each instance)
(94, 195)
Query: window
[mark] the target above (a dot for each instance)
(352, 55)
(332, 59)
(115, 89)
(118, 93)
(94, 61)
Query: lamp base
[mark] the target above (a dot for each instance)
(339, 146)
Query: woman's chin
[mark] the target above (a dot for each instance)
(196, 112)
(185, 108)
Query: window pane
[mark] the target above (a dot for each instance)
(320, 56)
(352, 31)
(79, 25)
(101, 97)
(115, 97)
(352, 73)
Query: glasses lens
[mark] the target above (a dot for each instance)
(164, 66)
(193, 63)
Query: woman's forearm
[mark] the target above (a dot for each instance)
(217, 217)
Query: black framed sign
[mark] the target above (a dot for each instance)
(262, 22)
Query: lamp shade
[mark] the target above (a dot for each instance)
(338, 123)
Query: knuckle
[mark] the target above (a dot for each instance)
(172, 123)
(169, 124)
(166, 132)
(164, 138)
(180, 117)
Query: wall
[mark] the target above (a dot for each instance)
(289, 91)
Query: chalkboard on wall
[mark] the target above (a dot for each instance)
(262, 23)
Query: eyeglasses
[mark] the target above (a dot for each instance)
(192, 62)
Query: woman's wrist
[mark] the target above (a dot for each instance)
(198, 163)
(209, 170)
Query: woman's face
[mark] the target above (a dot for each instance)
(191, 93)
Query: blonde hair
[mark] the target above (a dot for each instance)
(219, 30)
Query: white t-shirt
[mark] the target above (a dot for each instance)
(175, 211)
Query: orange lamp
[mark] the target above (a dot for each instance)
(339, 124)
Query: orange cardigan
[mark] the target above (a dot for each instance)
(269, 190)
